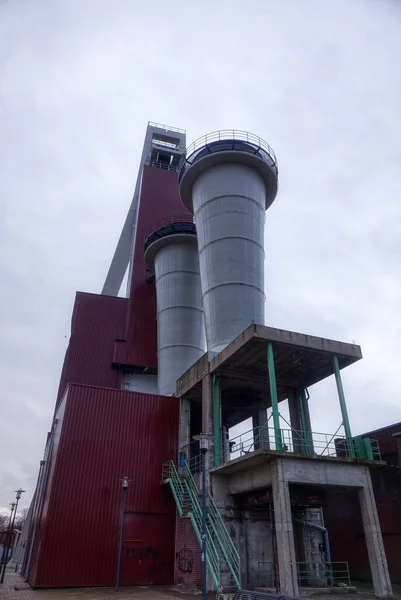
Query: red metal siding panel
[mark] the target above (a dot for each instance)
(97, 321)
(106, 435)
(148, 550)
(159, 199)
(44, 494)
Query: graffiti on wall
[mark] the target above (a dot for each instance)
(149, 554)
(185, 560)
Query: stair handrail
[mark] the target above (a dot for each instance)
(233, 557)
(194, 493)
(170, 473)
(223, 537)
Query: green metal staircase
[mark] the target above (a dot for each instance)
(221, 554)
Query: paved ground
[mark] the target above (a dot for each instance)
(14, 588)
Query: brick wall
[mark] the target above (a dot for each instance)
(187, 569)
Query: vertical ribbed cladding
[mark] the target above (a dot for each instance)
(106, 434)
(227, 181)
(171, 252)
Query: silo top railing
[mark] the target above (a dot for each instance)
(183, 223)
(241, 140)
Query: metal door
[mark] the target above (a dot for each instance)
(148, 549)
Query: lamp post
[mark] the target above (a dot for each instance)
(124, 481)
(204, 439)
(6, 541)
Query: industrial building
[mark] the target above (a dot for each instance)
(187, 351)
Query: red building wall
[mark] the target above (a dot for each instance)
(343, 518)
(159, 199)
(96, 323)
(105, 435)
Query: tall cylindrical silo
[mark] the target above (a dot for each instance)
(171, 253)
(227, 181)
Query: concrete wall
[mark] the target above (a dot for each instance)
(257, 534)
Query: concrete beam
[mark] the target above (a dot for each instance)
(193, 376)
(374, 540)
(311, 342)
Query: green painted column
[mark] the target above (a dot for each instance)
(216, 420)
(305, 421)
(344, 412)
(273, 397)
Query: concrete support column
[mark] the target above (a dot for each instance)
(284, 532)
(300, 422)
(184, 432)
(296, 422)
(185, 423)
(374, 541)
(261, 436)
(207, 405)
(207, 419)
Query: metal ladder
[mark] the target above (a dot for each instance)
(221, 554)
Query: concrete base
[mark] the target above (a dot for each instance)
(255, 533)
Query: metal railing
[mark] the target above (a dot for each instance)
(171, 220)
(266, 574)
(149, 162)
(220, 546)
(230, 134)
(165, 127)
(315, 573)
(293, 441)
(218, 531)
(186, 496)
(312, 574)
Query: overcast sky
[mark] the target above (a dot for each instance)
(317, 79)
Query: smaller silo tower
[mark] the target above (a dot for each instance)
(227, 180)
(171, 253)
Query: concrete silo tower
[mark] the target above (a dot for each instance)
(228, 179)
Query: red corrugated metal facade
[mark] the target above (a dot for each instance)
(105, 435)
(102, 433)
(96, 323)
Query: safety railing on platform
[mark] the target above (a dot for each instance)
(329, 573)
(166, 127)
(231, 134)
(266, 574)
(292, 441)
(310, 574)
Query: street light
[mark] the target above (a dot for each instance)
(204, 439)
(124, 481)
(6, 542)
(6, 548)
(14, 507)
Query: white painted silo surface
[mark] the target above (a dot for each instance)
(229, 211)
(180, 321)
